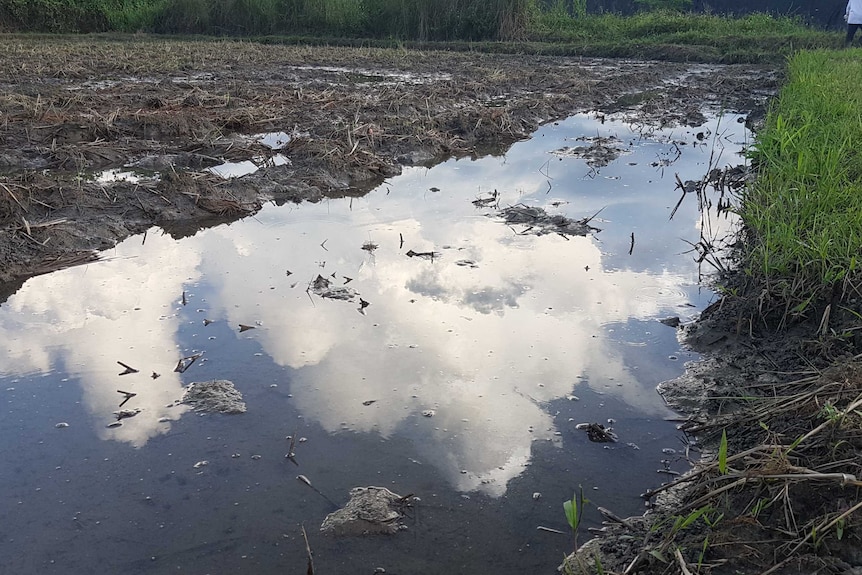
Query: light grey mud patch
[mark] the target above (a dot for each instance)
(538, 222)
(370, 511)
(216, 396)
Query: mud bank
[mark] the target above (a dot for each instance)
(772, 428)
(101, 139)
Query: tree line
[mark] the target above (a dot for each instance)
(422, 20)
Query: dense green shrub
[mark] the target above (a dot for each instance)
(402, 19)
(53, 15)
(709, 37)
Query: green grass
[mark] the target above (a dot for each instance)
(804, 212)
(664, 27)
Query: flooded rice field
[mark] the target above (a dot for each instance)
(442, 337)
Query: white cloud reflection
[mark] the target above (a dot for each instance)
(84, 320)
(484, 346)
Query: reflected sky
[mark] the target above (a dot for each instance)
(483, 337)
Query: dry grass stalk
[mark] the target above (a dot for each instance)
(788, 463)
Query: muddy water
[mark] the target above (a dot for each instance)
(458, 377)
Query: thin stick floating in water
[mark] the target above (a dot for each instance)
(307, 481)
(128, 369)
(310, 569)
(549, 530)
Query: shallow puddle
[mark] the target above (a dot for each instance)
(413, 339)
(237, 169)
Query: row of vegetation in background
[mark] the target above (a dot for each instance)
(558, 21)
(682, 36)
(804, 212)
(408, 19)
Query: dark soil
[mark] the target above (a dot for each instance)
(71, 107)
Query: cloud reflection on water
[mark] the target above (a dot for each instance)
(84, 320)
(484, 346)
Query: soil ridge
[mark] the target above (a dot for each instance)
(781, 415)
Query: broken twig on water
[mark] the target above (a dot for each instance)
(129, 395)
(310, 569)
(291, 454)
(307, 481)
(128, 369)
(186, 362)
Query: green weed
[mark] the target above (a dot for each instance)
(830, 413)
(574, 509)
(804, 211)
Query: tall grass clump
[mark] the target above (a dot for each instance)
(804, 211)
(448, 19)
(218, 17)
(132, 15)
(421, 20)
(321, 17)
(754, 32)
(53, 15)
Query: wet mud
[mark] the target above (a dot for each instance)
(101, 139)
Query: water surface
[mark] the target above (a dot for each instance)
(459, 378)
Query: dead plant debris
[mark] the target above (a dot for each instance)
(74, 108)
(776, 484)
(538, 222)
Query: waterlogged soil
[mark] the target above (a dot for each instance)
(783, 496)
(103, 138)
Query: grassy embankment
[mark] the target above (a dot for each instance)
(492, 25)
(788, 491)
(804, 213)
(784, 490)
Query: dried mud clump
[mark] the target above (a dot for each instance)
(538, 222)
(216, 396)
(370, 511)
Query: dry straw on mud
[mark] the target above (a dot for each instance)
(75, 106)
(791, 498)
